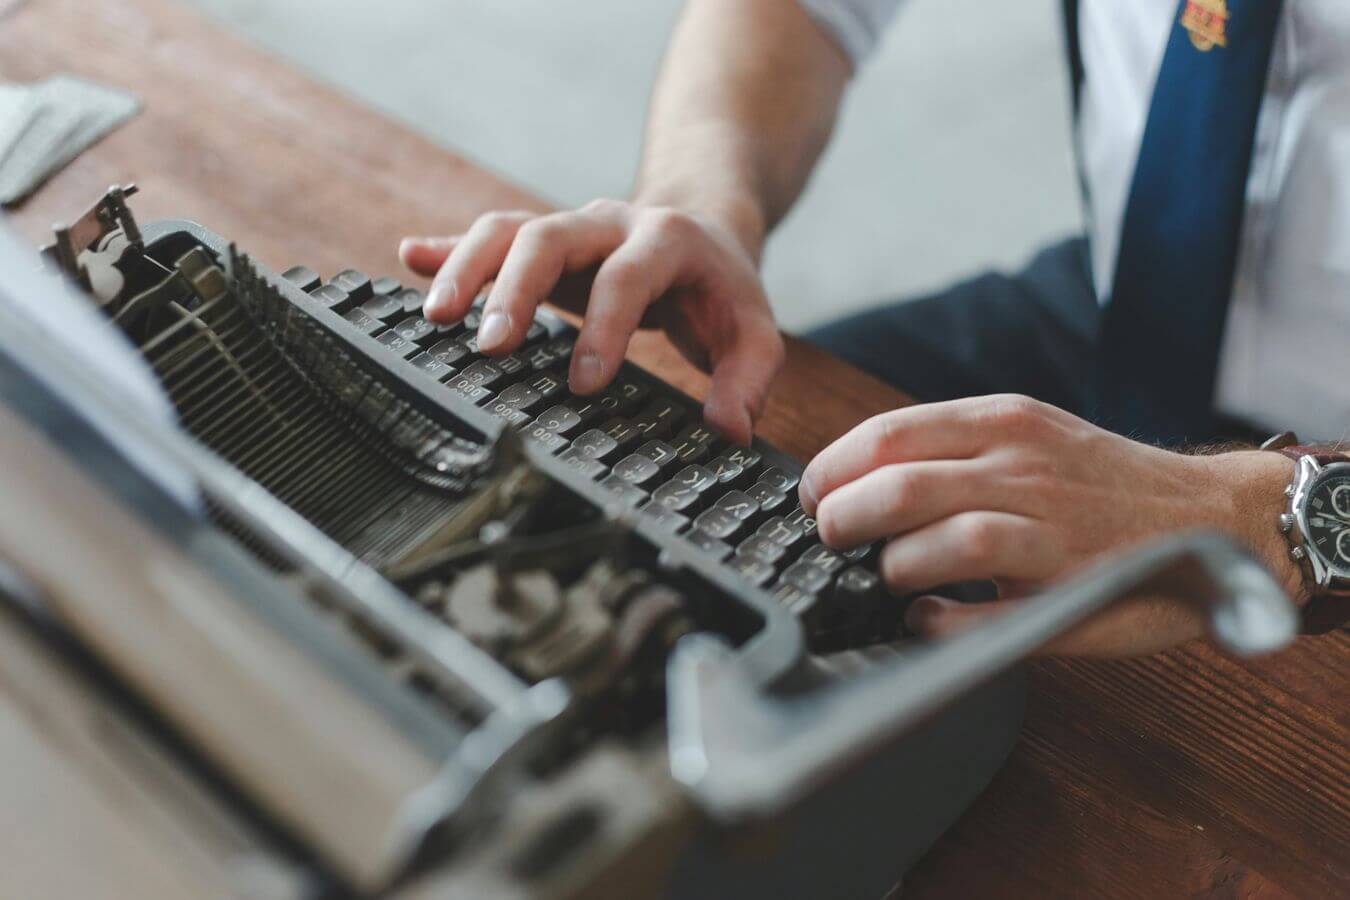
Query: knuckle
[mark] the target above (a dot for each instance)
(878, 435)
(977, 536)
(492, 222)
(1016, 413)
(899, 490)
(606, 207)
(536, 235)
(671, 223)
(895, 567)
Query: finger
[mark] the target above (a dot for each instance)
(899, 498)
(741, 380)
(543, 251)
(1148, 625)
(424, 255)
(629, 281)
(473, 260)
(968, 546)
(954, 429)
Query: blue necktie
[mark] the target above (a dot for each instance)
(1162, 329)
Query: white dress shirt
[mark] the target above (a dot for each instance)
(1285, 360)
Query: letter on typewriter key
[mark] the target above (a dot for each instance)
(553, 441)
(761, 548)
(706, 543)
(822, 557)
(409, 299)
(355, 283)
(399, 345)
(364, 322)
(659, 418)
(799, 517)
(806, 578)
(386, 309)
(636, 469)
(520, 396)
(449, 351)
(590, 467)
(677, 497)
(666, 519)
(769, 500)
(623, 432)
(505, 411)
(547, 385)
(303, 277)
(416, 329)
(595, 444)
(483, 373)
(630, 495)
(559, 420)
(756, 571)
(781, 530)
(739, 504)
(658, 452)
(777, 479)
(433, 366)
(718, 522)
(330, 296)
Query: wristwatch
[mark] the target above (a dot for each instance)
(1317, 526)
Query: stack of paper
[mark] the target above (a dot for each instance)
(44, 126)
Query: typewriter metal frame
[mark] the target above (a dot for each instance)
(750, 748)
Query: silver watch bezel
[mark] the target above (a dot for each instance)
(1328, 576)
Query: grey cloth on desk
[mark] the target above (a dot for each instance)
(43, 126)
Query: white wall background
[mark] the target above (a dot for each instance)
(952, 155)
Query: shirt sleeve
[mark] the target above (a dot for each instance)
(856, 24)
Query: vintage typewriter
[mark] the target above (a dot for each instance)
(415, 622)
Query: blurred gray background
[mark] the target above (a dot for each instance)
(952, 154)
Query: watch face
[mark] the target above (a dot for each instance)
(1329, 519)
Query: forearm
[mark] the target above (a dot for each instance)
(745, 103)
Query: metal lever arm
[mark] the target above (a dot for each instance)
(746, 754)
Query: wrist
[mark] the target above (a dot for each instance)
(1251, 485)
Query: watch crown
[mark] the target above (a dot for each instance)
(1286, 522)
(1298, 553)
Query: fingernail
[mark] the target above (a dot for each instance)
(439, 297)
(588, 371)
(808, 494)
(493, 331)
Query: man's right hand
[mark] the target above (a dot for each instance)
(653, 266)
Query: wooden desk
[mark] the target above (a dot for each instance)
(1184, 775)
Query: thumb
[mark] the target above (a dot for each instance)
(740, 383)
(424, 255)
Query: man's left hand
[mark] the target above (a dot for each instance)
(1015, 490)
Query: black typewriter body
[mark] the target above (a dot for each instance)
(593, 702)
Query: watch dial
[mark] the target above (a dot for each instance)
(1329, 519)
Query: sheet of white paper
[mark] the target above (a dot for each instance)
(64, 116)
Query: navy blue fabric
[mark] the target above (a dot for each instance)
(1162, 330)
(1032, 333)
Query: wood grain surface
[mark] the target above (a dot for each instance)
(1184, 775)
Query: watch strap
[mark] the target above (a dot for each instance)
(1324, 612)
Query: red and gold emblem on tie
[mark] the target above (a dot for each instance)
(1207, 21)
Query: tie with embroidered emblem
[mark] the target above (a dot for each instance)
(1162, 329)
